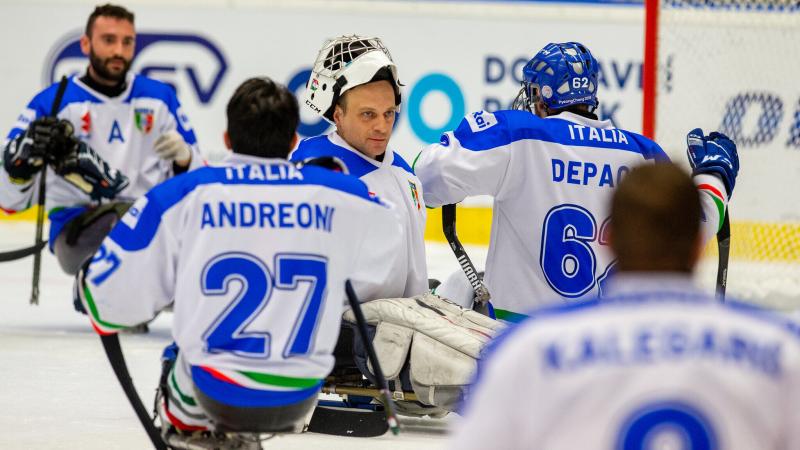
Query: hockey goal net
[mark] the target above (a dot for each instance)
(732, 66)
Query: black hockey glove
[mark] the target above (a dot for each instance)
(26, 155)
(84, 168)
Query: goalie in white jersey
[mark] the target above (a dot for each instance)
(654, 364)
(255, 255)
(354, 85)
(552, 169)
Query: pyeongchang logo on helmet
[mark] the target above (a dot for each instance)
(187, 62)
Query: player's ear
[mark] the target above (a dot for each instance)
(540, 109)
(338, 112)
(227, 139)
(86, 45)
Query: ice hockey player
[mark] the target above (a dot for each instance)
(255, 254)
(354, 85)
(115, 136)
(552, 167)
(654, 363)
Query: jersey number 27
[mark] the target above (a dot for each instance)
(227, 333)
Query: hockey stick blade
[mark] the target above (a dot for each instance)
(724, 249)
(14, 255)
(449, 228)
(353, 422)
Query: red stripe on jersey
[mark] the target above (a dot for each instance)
(219, 375)
(180, 425)
(711, 188)
(99, 331)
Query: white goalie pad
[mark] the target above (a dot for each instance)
(444, 341)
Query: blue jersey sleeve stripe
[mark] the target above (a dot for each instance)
(42, 103)
(240, 396)
(398, 161)
(169, 193)
(322, 146)
(513, 126)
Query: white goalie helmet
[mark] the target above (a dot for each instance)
(344, 63)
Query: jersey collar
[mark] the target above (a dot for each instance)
(580, 120)
(636, 284)
(388, 157)
(238, 158)
(129, 80)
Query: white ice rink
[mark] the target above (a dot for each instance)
(57, 390)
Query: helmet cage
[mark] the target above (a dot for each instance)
(342, 64)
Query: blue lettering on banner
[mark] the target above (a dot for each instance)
(67, 51)
(430, 83)
(116, 133)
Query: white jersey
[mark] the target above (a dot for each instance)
(395, 182)
(655, 365)
(552, 181)
(255, 255)
(122, 130)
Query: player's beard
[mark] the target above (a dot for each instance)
(100, 67)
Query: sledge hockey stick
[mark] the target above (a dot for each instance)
(14, 255)
(391, 416)
(37, 257)
(482, 296)
(117, 360)
(724, 249)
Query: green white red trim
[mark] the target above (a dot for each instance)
(718, 198)
(259, 380)
(102, 327)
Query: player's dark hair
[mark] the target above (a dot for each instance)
(655, 220)
(262, 119)
(108, 10)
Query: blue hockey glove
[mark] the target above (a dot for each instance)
(714, 153)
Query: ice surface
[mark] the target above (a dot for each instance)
(57, 390)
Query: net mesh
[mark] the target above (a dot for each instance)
(731, 66)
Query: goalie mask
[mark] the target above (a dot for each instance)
(561, 75)
(344, 63)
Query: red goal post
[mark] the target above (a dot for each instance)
(732, 66)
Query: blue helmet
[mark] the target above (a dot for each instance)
(560, 75)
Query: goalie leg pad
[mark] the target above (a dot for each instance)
(437, 341)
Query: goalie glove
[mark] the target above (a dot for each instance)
(85, 169)
(716, 154)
